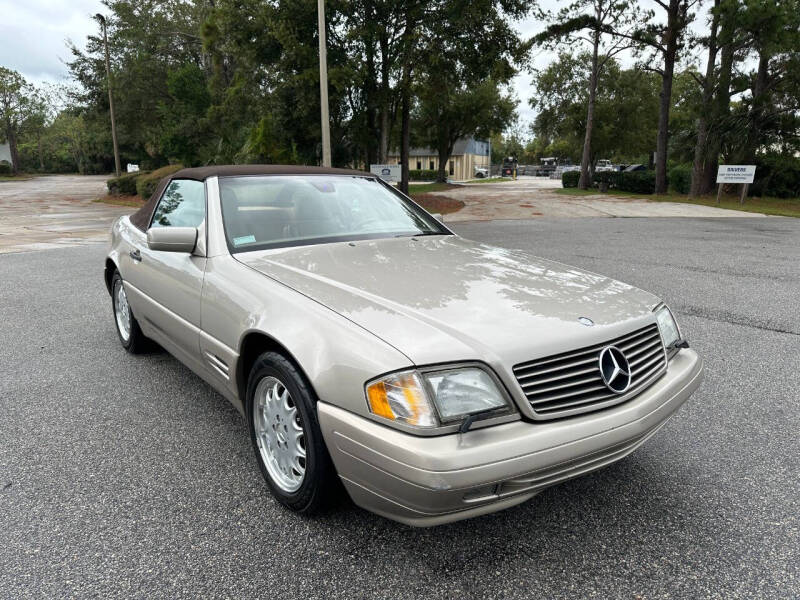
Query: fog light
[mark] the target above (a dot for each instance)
(485, 492)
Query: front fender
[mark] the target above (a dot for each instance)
(337, 356)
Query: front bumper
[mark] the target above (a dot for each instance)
(424, 481)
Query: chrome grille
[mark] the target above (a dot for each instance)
(570, 382)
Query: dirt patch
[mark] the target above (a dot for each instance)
(439, 204)
(121, 200)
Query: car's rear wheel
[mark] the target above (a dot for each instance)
(130, 335)
(286, 436)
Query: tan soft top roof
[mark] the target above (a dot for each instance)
(141, 218)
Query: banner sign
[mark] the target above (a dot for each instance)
(736, 173)
(390, 173)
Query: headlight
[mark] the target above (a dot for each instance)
(667, 326)
(461, 392)
(429, 398)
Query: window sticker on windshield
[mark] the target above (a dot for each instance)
(326, 187)
(245, 239)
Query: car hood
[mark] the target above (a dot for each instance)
(445, 298)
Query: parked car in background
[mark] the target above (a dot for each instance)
(560, 170)
(366, 344)
(547, 166)
(603, 165)
(481, 172)
(631, 168)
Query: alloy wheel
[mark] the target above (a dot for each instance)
(279, 434)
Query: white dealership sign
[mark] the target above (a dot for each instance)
(133, 168)
(389, 173)
(736, 173)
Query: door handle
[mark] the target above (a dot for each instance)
(135, 255)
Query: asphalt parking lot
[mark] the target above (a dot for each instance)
(128, 476)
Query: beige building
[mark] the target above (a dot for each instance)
(468, 154)
(5, 153)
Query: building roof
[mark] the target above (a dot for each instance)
(467, 145)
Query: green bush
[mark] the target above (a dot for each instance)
(422, 174)
(569, 179)
(638, 182)
(146, 184)
(5, 168)
(777, 176)
(124, 184)
(610, 178)
(680, 178)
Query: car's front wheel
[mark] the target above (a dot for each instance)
(286, 435)
(131, 337)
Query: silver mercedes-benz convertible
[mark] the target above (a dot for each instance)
(365, 342)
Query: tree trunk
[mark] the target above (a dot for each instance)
(370, 89)
(722, 102)
(670, 42)
(383, 150)
(444, 155)
(755, 118)
(701, 146)
(41, 152)
(405, 143)
(405, 126)
(585, 179)
(11, 136)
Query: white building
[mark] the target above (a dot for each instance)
(5, 153)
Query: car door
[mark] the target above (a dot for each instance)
(170, 284)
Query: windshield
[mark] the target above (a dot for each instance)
(293, 210)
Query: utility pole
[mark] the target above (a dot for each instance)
(323, 86)
(102, 21)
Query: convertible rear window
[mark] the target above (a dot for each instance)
(274, 211)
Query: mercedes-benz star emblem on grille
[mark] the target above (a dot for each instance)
(615, 370)
(585, 321)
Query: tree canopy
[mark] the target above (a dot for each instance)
(236, 81)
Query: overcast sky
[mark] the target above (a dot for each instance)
(33, 36)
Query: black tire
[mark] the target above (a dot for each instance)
(320, 487)
(136, 342)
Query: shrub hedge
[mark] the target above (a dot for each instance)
(777, 176)
(5, 168)
(680, 178)
(610, 178)
(569, 179)
(638, 182)
(124, 184)
(422, 174)
(147, 183)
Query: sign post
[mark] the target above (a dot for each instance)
(739, 174)
(389, 173)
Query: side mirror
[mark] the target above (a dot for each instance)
(438, 217)
(172, 239)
